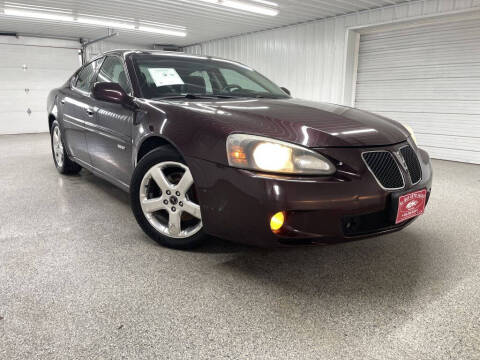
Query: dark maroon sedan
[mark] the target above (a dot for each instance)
(208, 146)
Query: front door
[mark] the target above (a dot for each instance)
(110, 139)
(77, 106)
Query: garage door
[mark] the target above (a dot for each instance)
(429, 78)
(27, 74)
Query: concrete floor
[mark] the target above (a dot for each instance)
(79, 280)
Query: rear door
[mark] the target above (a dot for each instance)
(79, 111)
(110, 139)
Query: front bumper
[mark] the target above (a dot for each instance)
(237, 204)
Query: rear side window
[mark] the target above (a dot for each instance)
(84, 79)
(112, 70)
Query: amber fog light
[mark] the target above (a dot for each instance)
(277, 221)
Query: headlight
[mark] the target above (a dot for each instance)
(270, 155)
(412, 134)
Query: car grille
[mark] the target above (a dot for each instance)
(413, 165)
(385, 169)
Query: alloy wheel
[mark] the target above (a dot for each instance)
(169, 202)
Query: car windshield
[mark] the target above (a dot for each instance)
(171, 78)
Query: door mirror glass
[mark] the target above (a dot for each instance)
(286, 91)
(111, 92)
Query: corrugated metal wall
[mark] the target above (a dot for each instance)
(309, 58)
(427, 77)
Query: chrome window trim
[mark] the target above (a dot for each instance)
(410, 175)
(373, 173)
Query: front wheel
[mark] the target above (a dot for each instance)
(165, 202)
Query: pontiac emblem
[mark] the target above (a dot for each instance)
(401, 160)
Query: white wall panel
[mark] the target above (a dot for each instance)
(310, 59)
(29, 69)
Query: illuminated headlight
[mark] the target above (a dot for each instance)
(412, 134)
(270, 155)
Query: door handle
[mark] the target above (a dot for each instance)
(62, 101)
(90, 112)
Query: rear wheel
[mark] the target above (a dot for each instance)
(164, 200)
(62, 162)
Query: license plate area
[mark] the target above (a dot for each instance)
(411, 205)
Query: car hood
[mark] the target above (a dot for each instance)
(311, 124)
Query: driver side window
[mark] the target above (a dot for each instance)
(112, 70)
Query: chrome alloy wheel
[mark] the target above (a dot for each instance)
(168, 200)
(58, 146)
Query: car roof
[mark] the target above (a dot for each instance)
(127, 52)
(172, 54)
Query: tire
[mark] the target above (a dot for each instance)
(164, 200)
(62, 162)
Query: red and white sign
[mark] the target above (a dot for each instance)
(411, 205)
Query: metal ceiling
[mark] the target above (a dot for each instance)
(203, 21)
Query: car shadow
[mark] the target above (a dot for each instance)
(389, 266)
(112, 191)
(215, 245)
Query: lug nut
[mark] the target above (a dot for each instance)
(180, 203)
(177, 193)
(169, 192)
(165, 202)
(173, 209)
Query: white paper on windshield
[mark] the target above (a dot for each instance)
(165, 76)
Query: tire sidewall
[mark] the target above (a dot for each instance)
(153, 158)
(61, 169)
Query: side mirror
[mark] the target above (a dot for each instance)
(111, 92)
(286, 91)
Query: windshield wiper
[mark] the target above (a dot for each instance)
(268, 97)
(195, 96)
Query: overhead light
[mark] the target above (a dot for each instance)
(64, 15)
(57, 16)
(245, 6)
(158, 30)
(265, 2)
(151, 28)
(105, 22)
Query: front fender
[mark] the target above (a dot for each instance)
(193, 134)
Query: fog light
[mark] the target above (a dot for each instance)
(277, 221)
